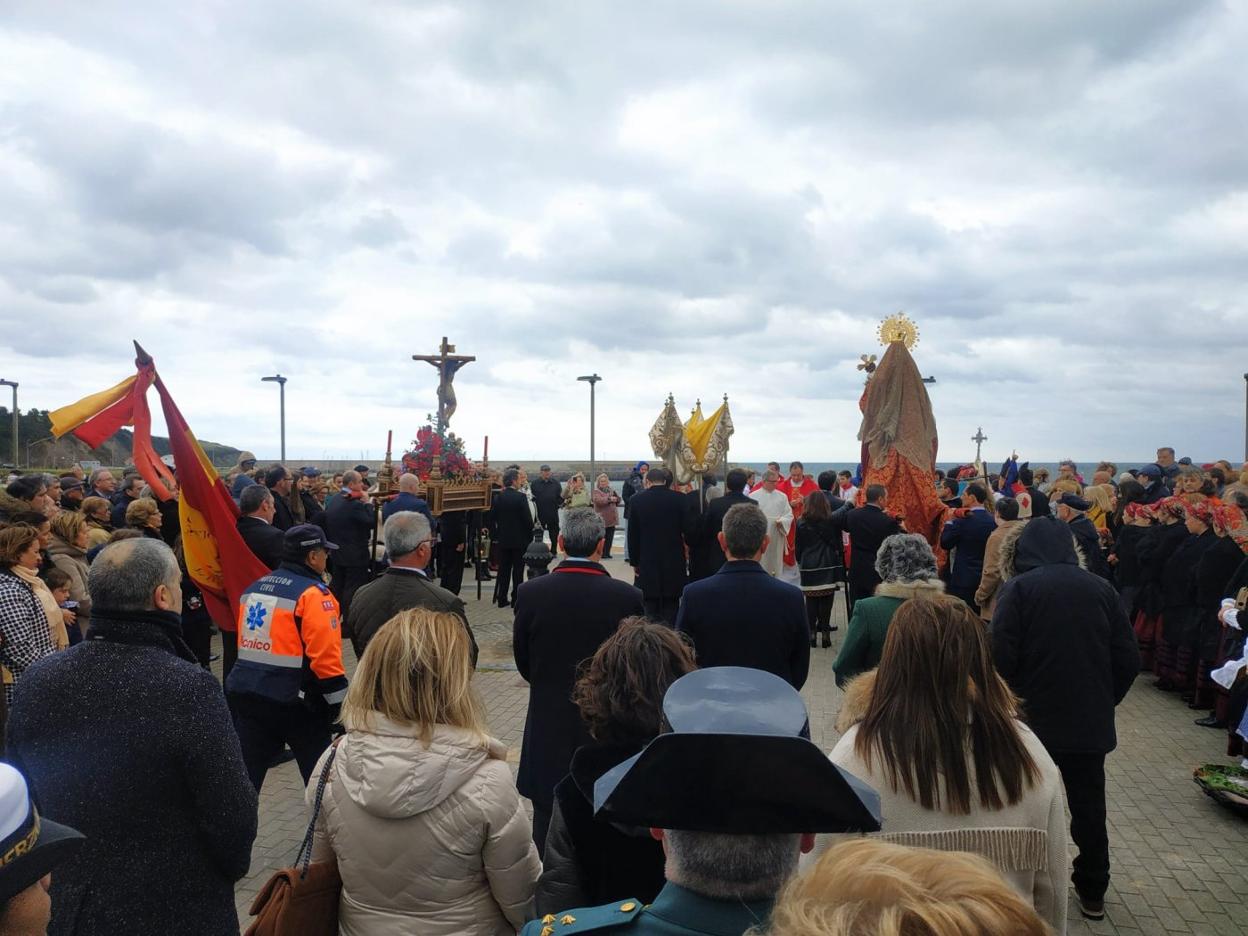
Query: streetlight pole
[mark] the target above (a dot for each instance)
(1245, 416)
(281, 383)
(13, 384)
(592, 380)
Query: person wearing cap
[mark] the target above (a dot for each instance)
(1155, 490)
(289, 681)
(362, 471)
(1062, 641)
(32, 847)
(72, 492)
(242, 473)
(279, 482)
(127, 738)
(548, 495)
(735, 792)
(1072, 510)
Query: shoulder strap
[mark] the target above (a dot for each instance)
(304, 855)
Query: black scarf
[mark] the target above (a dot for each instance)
(141, 629)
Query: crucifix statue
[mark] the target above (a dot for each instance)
(447, 362)
(979, 439)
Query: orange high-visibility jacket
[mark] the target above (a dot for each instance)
(289, 640)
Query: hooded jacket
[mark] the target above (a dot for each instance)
(73, 562)
(428, 840)
(1062, 641)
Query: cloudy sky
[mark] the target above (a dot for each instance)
(694, 197)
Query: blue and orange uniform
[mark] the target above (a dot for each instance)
(289, 681)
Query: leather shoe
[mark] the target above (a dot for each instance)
(827, 640)
(1210, 721)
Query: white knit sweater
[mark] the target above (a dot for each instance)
(1026, 841)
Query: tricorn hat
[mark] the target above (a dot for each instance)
(735, 761)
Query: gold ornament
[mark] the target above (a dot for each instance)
(899, 328)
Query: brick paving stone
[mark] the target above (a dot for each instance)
(1178, 858)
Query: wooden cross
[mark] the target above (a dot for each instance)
(447, 362)
(979, 439)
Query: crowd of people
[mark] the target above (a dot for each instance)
(666, 752)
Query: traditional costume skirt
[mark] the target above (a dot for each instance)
(1147, 629)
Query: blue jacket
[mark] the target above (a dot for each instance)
(406, 501)
(969, 535)
(741, 616)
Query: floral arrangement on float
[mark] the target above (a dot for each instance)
(443, 449)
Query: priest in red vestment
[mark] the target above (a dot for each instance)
(795, 487)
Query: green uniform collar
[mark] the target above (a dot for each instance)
(682, 907)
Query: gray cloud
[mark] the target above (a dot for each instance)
(697, 197)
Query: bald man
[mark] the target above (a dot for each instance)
(407, 499)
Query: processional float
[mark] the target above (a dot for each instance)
(898, 432)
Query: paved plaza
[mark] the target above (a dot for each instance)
(1178, 857)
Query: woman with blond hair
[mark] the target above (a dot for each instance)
(865, 887)
(1103, 503)
(937, 734)
(419, 807)
(96, 511)
(68, 551)
(143, 514)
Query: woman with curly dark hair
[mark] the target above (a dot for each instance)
(620, 696)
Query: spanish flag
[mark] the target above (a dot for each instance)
(217, 559)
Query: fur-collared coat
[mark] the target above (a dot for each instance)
(864, 641)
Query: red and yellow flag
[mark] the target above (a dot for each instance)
(217, 559)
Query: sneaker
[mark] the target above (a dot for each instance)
(1092, 909)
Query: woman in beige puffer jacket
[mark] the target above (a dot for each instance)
(420, 810)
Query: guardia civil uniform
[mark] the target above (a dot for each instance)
(289, 681)
(675, 912)
(736, 762)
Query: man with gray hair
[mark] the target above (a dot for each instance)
(405, 585)
(561, 619)
(128, 739)
(741, 615)
(256, 527)
(729, 845)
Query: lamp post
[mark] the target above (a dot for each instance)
(1245, 416)
(592, 380)
(281, 383)
(13, 384)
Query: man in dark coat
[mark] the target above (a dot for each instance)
(868, 526)
(561, 619)
(659, 523)
(279, 481)
(125, 737)
(256, 525)
(404, 585)
(513, 524)
(313, 512)
(1070, 508)
(1062, 641)
(1155, 489)
(349, 521)
(548, 496)
(968, 534)
(705, 554)
(127, 493)
(407, 499)
(741, 616)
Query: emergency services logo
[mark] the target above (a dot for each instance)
(257, 621)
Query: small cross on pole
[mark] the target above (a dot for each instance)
(979, 439)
